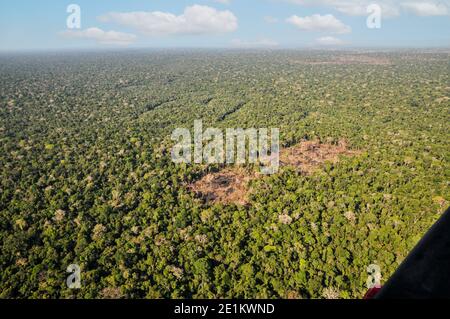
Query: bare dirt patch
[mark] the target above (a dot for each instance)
(230, 185)
(227, 186)
(308, 156)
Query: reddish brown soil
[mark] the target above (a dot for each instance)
(230, 185)
(308, 156)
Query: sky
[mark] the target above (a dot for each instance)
(92, 24)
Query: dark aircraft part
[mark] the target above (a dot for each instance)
(425, 273)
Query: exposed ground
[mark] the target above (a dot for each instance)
(230, 185)
(349, 59)
(308, 156)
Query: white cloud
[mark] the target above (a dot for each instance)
(102, 37)
(196, 19)
(260, 43)
(389, 8)
(425, 8)
(321, 23)
(329, 41)
(352, 7)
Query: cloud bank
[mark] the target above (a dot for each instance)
(390, 8)
(319, 23)
(196, 19)
(426, 9)
(352, 7)
(329, 41)
(100, 36)
(260, 43)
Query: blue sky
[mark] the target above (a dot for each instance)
(42, 25)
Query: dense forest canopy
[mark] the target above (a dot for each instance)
(87, 178)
